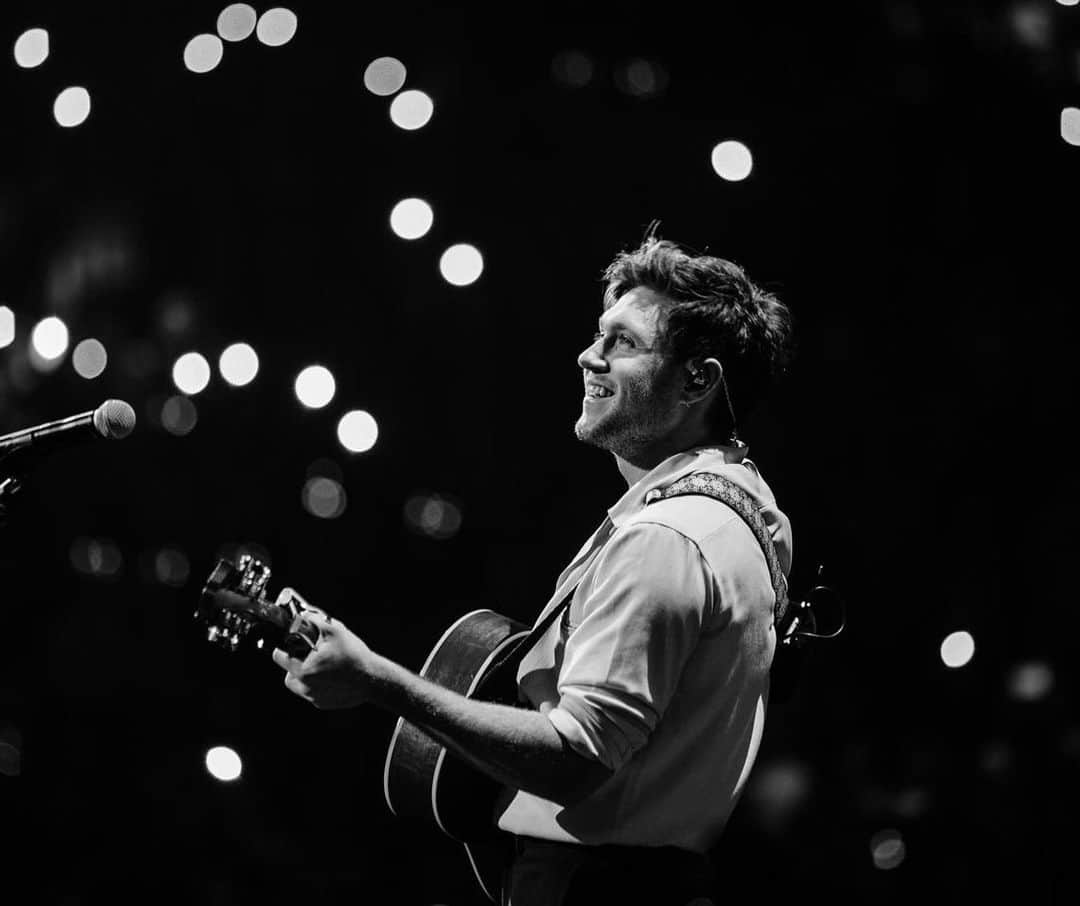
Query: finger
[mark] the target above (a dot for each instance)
(297, 686)
(311, 617)
(286, 661)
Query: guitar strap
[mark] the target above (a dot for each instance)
(710, 484)
(537, 632)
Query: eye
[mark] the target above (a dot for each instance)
(626, 340)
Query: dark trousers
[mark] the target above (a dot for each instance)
(546, 873)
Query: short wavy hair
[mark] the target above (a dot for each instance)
(715, 310)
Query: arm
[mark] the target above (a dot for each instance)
(515, 746)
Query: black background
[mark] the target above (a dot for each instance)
(913, 202)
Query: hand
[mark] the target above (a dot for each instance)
(336, 673)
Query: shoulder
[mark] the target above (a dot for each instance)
(694, 516)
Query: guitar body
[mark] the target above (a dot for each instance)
(477, 657)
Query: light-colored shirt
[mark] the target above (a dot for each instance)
(659, 668)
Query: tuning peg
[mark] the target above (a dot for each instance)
(212, 634)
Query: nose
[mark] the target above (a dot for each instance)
(591, 359)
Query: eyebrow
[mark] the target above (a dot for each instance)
(619, 325)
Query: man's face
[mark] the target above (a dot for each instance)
(632, 385)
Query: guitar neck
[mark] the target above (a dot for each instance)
(263, 610)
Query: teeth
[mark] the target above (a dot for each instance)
(596, 390)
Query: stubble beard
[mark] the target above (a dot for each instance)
(617, 432)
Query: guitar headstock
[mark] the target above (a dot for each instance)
(234, 607)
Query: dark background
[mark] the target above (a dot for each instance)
(913, 202)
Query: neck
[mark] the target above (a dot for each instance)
(634, 468)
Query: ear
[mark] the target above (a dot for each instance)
(702, 379)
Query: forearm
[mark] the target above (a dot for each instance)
(516, 746)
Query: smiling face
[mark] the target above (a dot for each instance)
(632, 385)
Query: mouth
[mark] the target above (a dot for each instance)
(594, 392)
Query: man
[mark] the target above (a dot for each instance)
(647, 698)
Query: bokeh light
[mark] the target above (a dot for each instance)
(191, 373)
(732, 161)
(411, 218)
(203, 52)
(32, 48)
(276, 26)
(7, 326)
(777, 792)
(236, 21)
(461, 264)
(172, 567)
(384, 76)
(887, 849)
(573, 68)
(1070, 125)
(72, 106)
(957, 649)
(239, 364)
(179, 415)
(357, 430)
(411, 109)
(97, 557)
(223, 763)
(315, 386)
(434, 515)
(642, 78)
(50, 338)
(1031, 681)
(89, 358)
(323, 497)
(11, 744)
(1068, 2)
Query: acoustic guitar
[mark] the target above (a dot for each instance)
(477, 656)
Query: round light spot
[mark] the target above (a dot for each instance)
(1031, 681)
(573, 68)
(357, 431)
(236, 21)
(323, 497)
(171, 567)
(89, 358)
(203, 53)
(191, 373)
(72, 106)
(384, 76)
(411, 109)
(411, 218)
(461, 264)
(7, 326)
(98, 557)
(642, 78)
(276, 26)
(732, 161)
(315, 386)
(1070, 125)
(887, 849)
(239, 364)
(957, 649)
(50, 338)
(1068, 2)
(223, 763)
(179, 415)
(32, 48)
(434, 515)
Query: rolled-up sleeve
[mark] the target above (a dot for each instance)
(639, 624)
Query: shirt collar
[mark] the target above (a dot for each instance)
(696, 459)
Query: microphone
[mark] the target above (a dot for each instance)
(112, 420)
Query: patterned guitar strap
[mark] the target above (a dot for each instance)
(710, 484)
